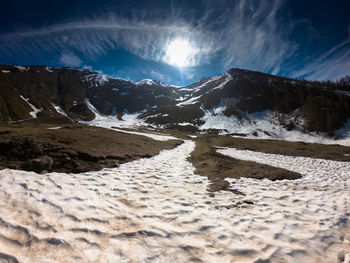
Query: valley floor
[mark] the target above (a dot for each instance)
(159, 210)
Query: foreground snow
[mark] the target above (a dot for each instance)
(309, 215)
(158, 210)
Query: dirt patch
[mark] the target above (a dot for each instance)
(72, 148)
(313, 150)
(217, 167)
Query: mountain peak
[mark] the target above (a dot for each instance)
(152, 82)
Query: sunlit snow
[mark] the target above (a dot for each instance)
(159, 210)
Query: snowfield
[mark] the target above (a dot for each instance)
(129, 121)
(266, 126)
(159, 210)
(310, 215)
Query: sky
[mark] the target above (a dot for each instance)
(179, 42)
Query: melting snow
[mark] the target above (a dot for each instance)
(184, 124)
(35, 110)
(159, 210)
(189, 102)
(98, 78)
(59, 110)
(21, 68)
(227, 79)
(308, 216)
(130, 120)
(157, 137)
(265, 125)
(5, 71)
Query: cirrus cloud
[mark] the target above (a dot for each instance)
(256, 35)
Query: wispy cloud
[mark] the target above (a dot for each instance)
(244, 33)
(332, 64)
(69, 59)
(159, 76)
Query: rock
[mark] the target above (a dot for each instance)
(7, 258)
(341, 256)
(290, 126)
(39, 164)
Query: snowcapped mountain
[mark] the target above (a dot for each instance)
(238, 102)
(152, 82)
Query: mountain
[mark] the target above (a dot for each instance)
(238, 102)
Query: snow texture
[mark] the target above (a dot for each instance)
(308, 216)
(159, 210)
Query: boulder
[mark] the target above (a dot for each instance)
(43, 163)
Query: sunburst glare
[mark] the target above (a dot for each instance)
(181, 53)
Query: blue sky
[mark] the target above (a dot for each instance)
(150, 39)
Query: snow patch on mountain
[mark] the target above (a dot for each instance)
(96, 79)
(227, 77)
(267, 125)
(59, 110)
(22, 69)
(189, 101)
(151, 82)
(222, 79)
(129, 120)
(35, 109)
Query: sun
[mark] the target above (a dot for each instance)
(180, 53)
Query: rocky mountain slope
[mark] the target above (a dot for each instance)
(238, 102)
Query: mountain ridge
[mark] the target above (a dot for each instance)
(239, 102)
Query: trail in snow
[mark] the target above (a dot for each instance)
(159, 210)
